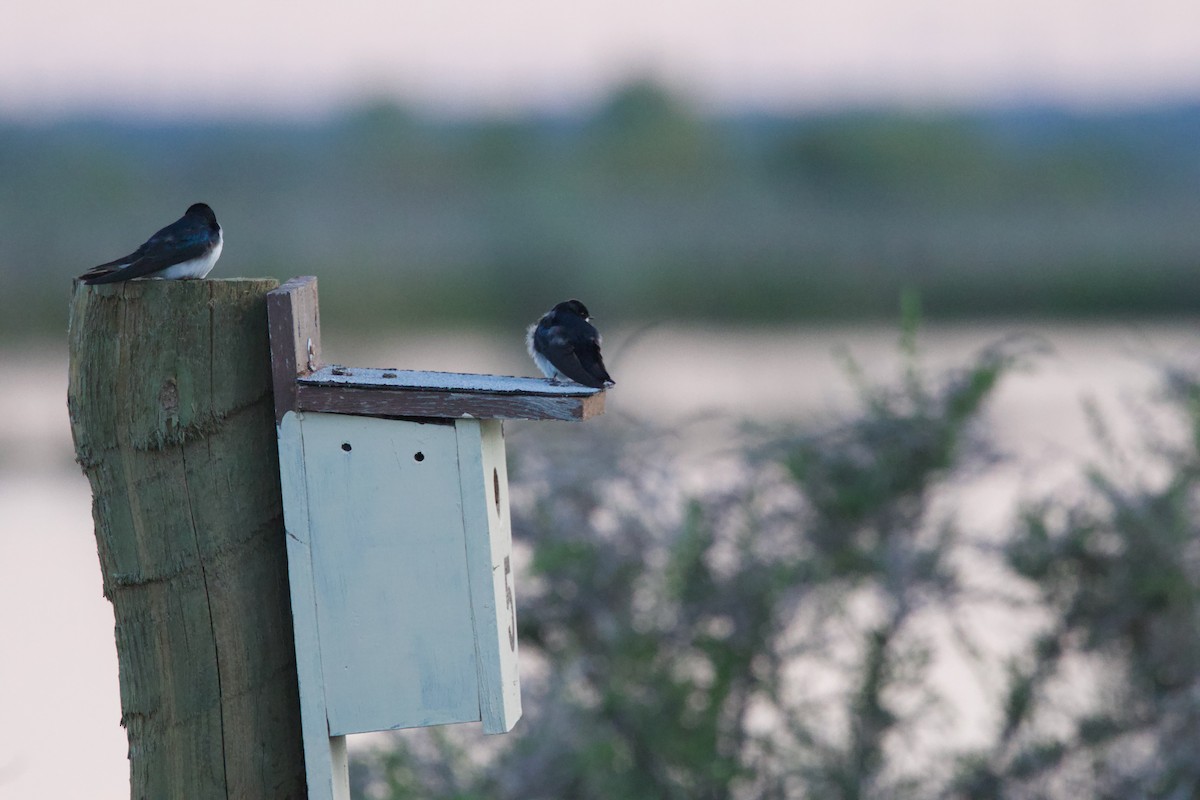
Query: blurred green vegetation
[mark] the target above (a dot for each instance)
(643, 206)
(789, 627)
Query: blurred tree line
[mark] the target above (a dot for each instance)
(791, 626)
(644, 205)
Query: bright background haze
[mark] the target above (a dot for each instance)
(225, 56)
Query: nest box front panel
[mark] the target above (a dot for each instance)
(390, 574)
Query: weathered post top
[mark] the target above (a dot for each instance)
(303, 383)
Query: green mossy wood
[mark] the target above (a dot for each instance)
(172, 416)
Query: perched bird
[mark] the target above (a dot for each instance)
(564, 344)
(187, 248)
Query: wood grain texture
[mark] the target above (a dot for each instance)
(172, 417)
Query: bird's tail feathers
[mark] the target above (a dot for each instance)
(105, 273)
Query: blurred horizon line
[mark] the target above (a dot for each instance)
(586, 105)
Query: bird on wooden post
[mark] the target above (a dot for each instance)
(564, 344)
(186, 249)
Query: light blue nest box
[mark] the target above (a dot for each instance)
(395, 496)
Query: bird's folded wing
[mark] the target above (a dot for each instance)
(563, 356)
(156, 255)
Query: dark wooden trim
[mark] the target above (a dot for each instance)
(467, 382)
(294, 320)
(392, 402)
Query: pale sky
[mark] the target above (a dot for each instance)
(303, 56)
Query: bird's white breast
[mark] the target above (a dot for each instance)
(197, 267)
(548, 369)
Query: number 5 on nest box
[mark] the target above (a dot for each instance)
(395, 496)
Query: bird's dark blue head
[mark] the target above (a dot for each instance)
(203, 211)
(573, 307)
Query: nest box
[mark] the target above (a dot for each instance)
(395, 495)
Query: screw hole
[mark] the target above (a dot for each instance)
(346, 446)
(418, 456)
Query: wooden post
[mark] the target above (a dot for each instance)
(172, 416)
